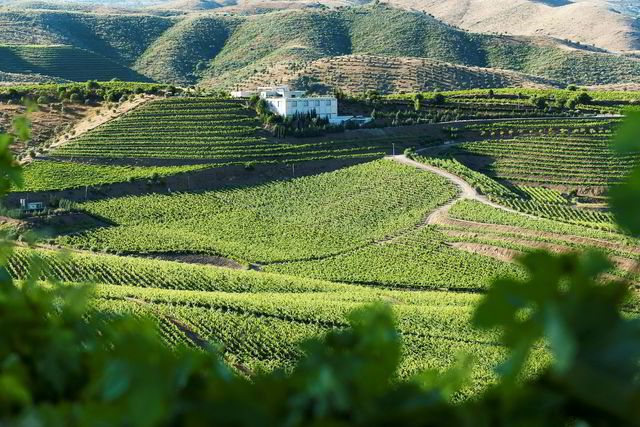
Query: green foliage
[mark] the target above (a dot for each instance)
(584, 98)
(203, 129)
(297, 219)
(232, 49)
(625, 196)
(43, 175)
(65, 360)
(69, 63)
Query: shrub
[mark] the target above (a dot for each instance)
(409, 152)
(76, 98)
(584, 98)
(92, 85)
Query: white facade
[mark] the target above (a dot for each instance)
(286, 102)
(324, 106)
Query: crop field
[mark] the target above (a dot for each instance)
(569, 153)
(555, 161)
(43, 175)
(259, 319)
(298, 219)
(420, 260)
(205, 130)
(65, 62)
(300, 253)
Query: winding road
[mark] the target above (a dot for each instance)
(467, 191)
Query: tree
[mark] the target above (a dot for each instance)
(539, 102)
(92, 85)
(438, 98)
(76, 98)
(584, 98)
(262, 107)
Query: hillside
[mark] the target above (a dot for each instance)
(63, 62)
(362, 73)
(223, 51)
(592, 22)
(302, 36)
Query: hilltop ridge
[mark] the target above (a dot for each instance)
(219, 50)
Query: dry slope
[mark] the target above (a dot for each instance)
(594, 22)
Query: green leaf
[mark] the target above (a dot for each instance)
(628, 136)
(563, 344)
(625, 203)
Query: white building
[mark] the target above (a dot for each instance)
(286, 102)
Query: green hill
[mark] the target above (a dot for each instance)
(64, 62)
(180, 51)
(301, 36)
(222, 51)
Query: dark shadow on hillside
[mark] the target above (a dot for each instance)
(216, 178)
(66, 223)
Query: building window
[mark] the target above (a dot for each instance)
(328, 104)
(294, 103)
(317, 103)
(306, 103)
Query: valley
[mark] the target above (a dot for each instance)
(221, 187)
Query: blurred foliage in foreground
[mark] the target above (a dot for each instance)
(62, 365)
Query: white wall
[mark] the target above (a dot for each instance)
(325, 107)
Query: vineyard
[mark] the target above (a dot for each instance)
(545, 175)
(64, 62)
(303, 218)
(204, 130)
(364, 73)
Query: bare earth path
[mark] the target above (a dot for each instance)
(97, 118)
(467, 191)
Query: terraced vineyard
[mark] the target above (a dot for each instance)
(574, 154)
(299, 219)
(204, 130)
(306, 251)
(65, 62)
(363, 73)
(259, 318)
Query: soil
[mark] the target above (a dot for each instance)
(502, 254)
(44, 123)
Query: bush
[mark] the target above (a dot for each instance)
(92, 85)
(584, 98)
(409, 152)
(76, 98)
(439, 99)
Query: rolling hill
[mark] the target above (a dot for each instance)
(362, 73)
(221, 51)
(593, 22)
